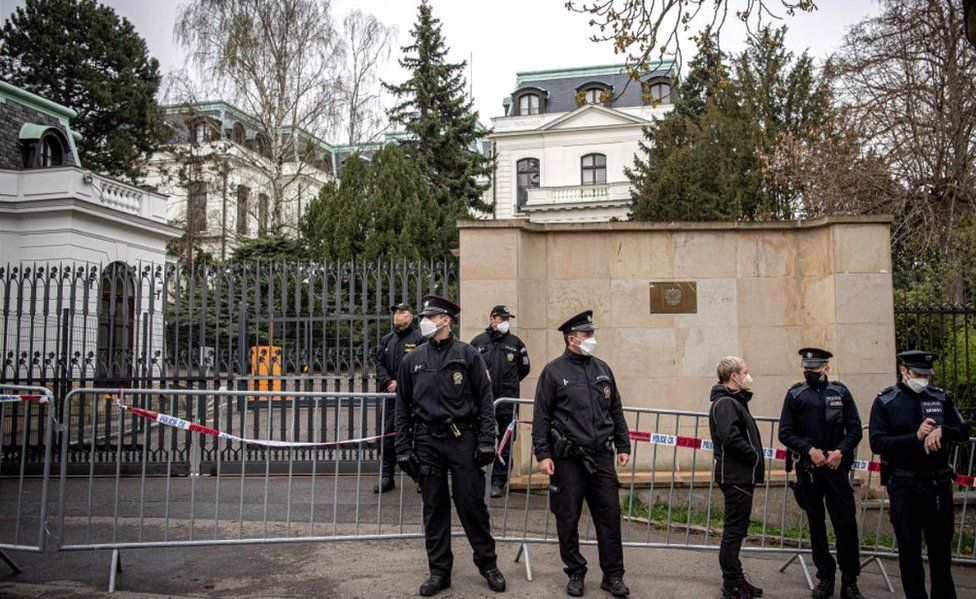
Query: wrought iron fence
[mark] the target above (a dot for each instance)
(249, 326)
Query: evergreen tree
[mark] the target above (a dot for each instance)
(82, 55)
(443, 128)
(378, 210)
(703, 161)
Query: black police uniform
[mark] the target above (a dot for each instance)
(578, 409)
(823, 414)
(392, 348)
(508, 363)
(919, 484)
(444, 415)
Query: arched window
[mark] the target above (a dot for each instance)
(657, 91)
(261, 144)
(116, 326)
(201, 130)
(52, 151)
(527, 177)
(529, 104)
(593, 169)
(594, 92)
(43, 146)
(242, 197)
(237, 134)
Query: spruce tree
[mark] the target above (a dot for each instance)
(442, 126)
(703, 160)
(82, 55)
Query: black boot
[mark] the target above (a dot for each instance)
(825, 588)
(754, 591)
(575, 586)
(496, 581)
(849, 590)
(386, 484)
(735, 590)
(497, 491)
(615, 585)
(434, 584)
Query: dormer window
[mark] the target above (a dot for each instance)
(237, 134)
(529, 100)
(201, 130)
(657, 91)
(43, 146)
(594, 92)
(528, 104)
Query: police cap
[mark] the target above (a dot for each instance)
(814, 357)
(581, 322)
(918, 360)
(435, 304)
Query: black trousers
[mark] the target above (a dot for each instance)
(738, 508)
(499, 471)
(388, 443)
(831, 488)
(440, 455)
(568, 487)
(919, 508)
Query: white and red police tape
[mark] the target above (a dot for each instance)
(10, 398)
(187, 425)
(695, 443)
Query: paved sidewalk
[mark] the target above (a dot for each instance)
(393, 568)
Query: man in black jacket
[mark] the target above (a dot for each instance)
(820, 424)
(445, 424)
(739, 467)
(396, 344)
(578, 422)
(508, 364)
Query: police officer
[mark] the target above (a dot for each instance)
(403, 339)
(821, 426)
(578, 421)
(913, 425)
(445, 424)
(508, 364)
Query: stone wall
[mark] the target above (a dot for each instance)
(764, 290)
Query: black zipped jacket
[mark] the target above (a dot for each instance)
(737, 446)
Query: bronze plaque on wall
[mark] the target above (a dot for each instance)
(674, 297)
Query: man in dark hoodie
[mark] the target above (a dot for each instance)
(739, 467)
(508, 363)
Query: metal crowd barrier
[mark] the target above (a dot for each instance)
(671, 500)
(216, 488)
(24, 498)
(143, 468)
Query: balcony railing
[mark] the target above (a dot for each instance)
(604, 194)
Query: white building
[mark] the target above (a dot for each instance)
(566, 138)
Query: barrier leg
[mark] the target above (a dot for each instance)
(884, 572)
(16, 569)
(116, 567)
(524, 550)
(796, 557)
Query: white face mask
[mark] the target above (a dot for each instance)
(746, 383)
(588, 346)
(502, 327)
(428, 327)
(917, 385)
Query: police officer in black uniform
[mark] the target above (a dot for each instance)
(913, 425)
(578, 421)
(445, 424)
(821, 426)
(403, 339)
(508, 364)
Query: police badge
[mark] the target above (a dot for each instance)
(458, 378)
(606, 391)
(510, 357)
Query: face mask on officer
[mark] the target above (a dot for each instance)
(502, 327)
(587, 346)
(402, 319)
(915, 383)
(429, 328)
(815, 378)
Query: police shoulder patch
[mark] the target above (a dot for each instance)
(838, 387)
(797, 389)
(936, 393)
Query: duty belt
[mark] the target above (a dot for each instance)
(562, 448)
(932, 475)
(438, 429)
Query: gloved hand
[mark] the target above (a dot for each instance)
(484, 455)
(408, 462)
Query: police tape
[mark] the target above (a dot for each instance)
(772, 453)
(194, 427)
(11, 398)
(696, 444)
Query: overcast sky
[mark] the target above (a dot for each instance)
(501, 37)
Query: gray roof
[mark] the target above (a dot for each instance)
(561, 85)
